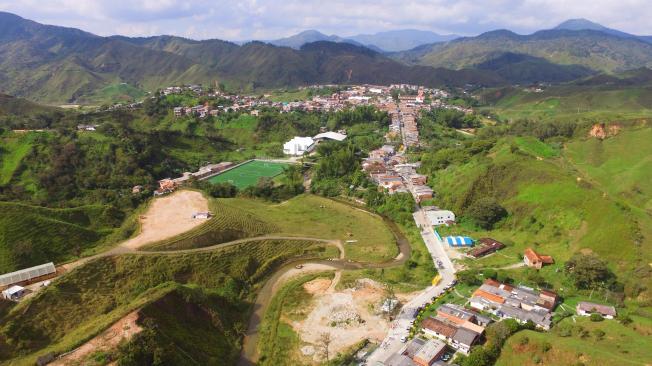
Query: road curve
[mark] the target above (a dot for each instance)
(249, 355)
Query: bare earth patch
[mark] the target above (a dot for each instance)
(123, 329)
(349, 316)
(169, 216)
(317, 286)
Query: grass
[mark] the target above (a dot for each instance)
(535, 147)
(289, 95)
(278, 343)
(193, 326)
(302, 216)
(115, 93)
(314, 216)
(558, 206)
(416, 274)
(13, 149)
(571, 102)
(88, 299)
(227, 224)
(620, 345)
(249, 173)
(35, 235)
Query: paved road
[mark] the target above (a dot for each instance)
(402, 324)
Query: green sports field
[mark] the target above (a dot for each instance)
(248, 174)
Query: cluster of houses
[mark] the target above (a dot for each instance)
(460, 327)
(390, 171)
(515, 302)
(356, 95)
(168, 185)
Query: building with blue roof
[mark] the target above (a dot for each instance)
(459, 241)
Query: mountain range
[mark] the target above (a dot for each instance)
(56, 64)
(390, 41)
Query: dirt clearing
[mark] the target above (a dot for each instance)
(124, 328)
(348, 316)
(169, 216)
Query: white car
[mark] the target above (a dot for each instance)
(403, 339)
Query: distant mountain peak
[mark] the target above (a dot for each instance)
(581, 24)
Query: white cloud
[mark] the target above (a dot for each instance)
(268, 19)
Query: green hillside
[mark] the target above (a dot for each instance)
(35, 235)
(555, 208)
(301, 216)
(591, 343)
(88, 299)
(592, 49)
(86, 67)
(187, 326)
(13, 149)
(596, 103)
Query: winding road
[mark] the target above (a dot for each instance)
(249, 354)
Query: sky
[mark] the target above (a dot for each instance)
(272, 19)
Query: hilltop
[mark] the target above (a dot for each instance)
(594, 49)
(56, 64)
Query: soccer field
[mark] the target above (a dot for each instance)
(248, 174)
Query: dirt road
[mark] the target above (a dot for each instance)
(249, 355)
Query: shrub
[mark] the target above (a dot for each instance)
(486, 212)
(596, 318)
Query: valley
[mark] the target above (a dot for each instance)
(399, 198)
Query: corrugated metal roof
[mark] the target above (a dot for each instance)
(27, 274)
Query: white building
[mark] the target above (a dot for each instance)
(330, 136)
(13, 293)
(440, 217)
(298, 146)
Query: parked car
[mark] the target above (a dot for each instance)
(403, 339)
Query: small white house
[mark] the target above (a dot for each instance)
(440, 217)
(13, 293)
(298, 146)
(201, 215)
(585, 308)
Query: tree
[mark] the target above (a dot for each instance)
(325, 342)
(486, 212)
(588, 271)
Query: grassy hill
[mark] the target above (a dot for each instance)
(187, 326)
(598, 103)
(581, 341)
(35, 235)
(556, 204)
(305, 215)
(581, 196)
(12, 151)
(595, 50)
(88, 299)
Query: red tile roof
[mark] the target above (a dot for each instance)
(488, 296)
(439, 326)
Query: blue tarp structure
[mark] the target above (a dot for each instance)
(438, 236)
(459, 241)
